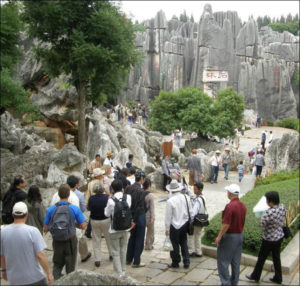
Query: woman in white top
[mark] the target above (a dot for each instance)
(215, 162)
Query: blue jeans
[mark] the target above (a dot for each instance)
(214, 173)
(178, 140)
(226, 169)
(229, 253)
(241, 175)
(136, 241)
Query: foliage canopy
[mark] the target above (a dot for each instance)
(193, 110)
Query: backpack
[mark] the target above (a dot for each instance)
(9, 201)
(122, 214)
(62, 225)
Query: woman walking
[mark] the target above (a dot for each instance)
(36, 211)
(150, 216)
(271, 222)
(100, 223)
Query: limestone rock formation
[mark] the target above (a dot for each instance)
(283, 153)
(260, 64)
(86, 277)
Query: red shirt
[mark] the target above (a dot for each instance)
(234, 214)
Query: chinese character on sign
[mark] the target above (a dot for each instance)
(215, 76)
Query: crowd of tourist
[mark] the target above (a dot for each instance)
(121, 210)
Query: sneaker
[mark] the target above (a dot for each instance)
(97, 263)
(251, 279)
(186, 266)
(138, 265)
(198, 255)
(87, 258)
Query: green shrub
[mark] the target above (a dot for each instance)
(277, 177)
(270, 123)
(292, 123)
(289, 193)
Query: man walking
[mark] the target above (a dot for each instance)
(230, 238)
(22, 251)
(195, 169)
(137, 234)
(176, 223)
(96, 163)
(118, 238)
(165, 171)
(60, 220)
(84, 253)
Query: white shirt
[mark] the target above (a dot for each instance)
(131, 179)
(176, 211)
(109, 210)
(215, 161)
(73, 199)
(108, 162)
(198, 206)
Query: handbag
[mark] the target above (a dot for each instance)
(201, 219)
(286, 229)
(190, 229)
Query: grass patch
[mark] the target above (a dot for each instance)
(278, 177)
(291, 123)
(288, 192)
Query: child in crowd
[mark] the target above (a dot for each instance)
(241, 169)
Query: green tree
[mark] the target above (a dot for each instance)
(90, 40)
(163, 114)
(227, 113)
(193, 110)
(13, 95)
(290, 27)
(183, 17)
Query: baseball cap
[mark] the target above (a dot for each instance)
(20, 208)
(233, 188)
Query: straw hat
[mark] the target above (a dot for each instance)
(218, 152)
(109, 153)
(174, 187)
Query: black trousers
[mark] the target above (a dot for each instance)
(88, 230)
(64, 254)
(265, 248)
(178, 238)
(167, 180)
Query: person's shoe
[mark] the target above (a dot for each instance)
(97, 263)
(275, 281)
(88, 235)
(186, 266)
(128, 263)
(211, 182)
(198, 255)
(193, 254)
(110, 258)
(251, 279)
(138, 265)
(173, 265)
(87, 258)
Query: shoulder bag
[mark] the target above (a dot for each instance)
(286, 229)
(190, 229)
(201, 219)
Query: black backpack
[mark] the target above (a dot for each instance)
(62, 225)
(9, 201)
(122, 214)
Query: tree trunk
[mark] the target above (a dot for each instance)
(82, 135)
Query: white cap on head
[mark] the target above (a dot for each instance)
(233, 189)
(97, 172)
(20, 208)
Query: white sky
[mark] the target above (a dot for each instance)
(143, 10)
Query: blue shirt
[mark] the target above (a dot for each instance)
(240, 169)
(75, 211)
(80, 196)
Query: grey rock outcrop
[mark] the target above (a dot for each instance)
(86, 277)
(283, 153)
(260, 64)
